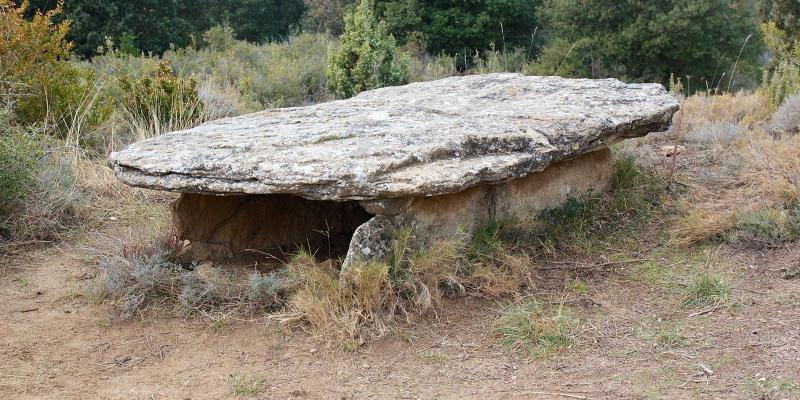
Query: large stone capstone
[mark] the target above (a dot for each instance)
(439, 158)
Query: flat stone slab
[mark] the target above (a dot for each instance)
(417, 140)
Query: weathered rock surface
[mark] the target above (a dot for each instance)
(438, 159)
(421, 139)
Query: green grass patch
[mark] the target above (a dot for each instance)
(433, 357)
(581, 223)
(706, 290)
(245, 385)
(670, 335)
(538, 329)
(771, 227)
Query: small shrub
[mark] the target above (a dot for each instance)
(143, 277)
(19, 164)
(56, 205)
(769, 227)
(424, 67)
(161, 103)
(35, 74)
(269, 289)
(699, 225)
(538, 329)
(256, 76)
(367, 57)
(220, 38)
(38, 193)
(786, 120)
(783, 79)
(140, 278)
(722, 133)
(705, 290)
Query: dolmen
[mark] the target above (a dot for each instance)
(439, 159)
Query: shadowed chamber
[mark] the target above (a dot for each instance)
(255, 226)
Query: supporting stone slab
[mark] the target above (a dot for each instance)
(460, 215)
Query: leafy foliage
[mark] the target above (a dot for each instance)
(647, 40)
(19, 154)
(326, 15)
(784, 78)
(464, 27)
(161, 100)
(785, 14)
(154, 26)
(367, 58)
(34, 77)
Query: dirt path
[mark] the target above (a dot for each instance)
(634, 343)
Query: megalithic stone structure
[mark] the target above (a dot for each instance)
(438, 158)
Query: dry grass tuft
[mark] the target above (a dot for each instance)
(699, 225)
(774, 169)
(354, 307)
(786, 120)
(140, 277)
(761, 206)
(742, 109)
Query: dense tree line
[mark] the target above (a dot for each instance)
(649, 40)
(630, 39)
(156, 25)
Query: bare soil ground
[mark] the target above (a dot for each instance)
(634, 340)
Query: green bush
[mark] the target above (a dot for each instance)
(161, 103)
(783, 78)
(38, 198)
(19, 165)
(37, 79)
(368, 57)
(254, 76)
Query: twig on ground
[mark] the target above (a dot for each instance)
(537, 392)
(581, 265)
(703, 312)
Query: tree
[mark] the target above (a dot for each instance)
(260, 20)
(784, 13)
(153, 25)
(326, 15)
(367, 58)
(464, 26)
(647, 40)
(782, 36)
